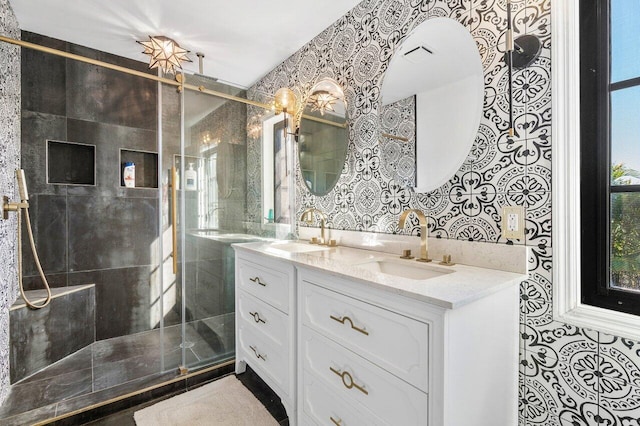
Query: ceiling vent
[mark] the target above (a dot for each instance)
(418, 55)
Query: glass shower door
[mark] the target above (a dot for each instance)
(204, 144)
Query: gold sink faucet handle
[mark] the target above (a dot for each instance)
(307, 217)
(424, 236)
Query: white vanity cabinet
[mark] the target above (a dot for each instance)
(399, 361)
(344, 346)
(265, 316)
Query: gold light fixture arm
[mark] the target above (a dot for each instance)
(324, 121)
(398, 138)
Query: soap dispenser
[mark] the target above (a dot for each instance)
(191, 179)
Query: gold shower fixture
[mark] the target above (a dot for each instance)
(165, 53)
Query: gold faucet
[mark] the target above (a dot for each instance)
(424, 252)
(307, 217)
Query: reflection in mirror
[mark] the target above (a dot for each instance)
(323, 137)
(277, 180)
(211, 167)
(432, 100)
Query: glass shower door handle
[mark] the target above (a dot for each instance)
(174, 219)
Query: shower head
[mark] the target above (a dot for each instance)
(22, 185)
(200, 72)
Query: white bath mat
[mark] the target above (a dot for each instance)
(224, 402)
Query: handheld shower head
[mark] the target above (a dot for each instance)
(22, 185)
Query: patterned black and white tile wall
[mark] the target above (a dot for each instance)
(9, 161)
(568, 376)
(397, 157)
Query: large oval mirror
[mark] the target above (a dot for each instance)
(432, 98)
(323, 137)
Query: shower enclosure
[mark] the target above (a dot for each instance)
(203, 173)
(142, 277)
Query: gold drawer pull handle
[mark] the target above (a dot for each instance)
(257, 281)
(335, 422)
(347, 380)
(259, 356)
(256, 317)
(353, 327)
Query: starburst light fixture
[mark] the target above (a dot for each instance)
(322, 100)
(165, 53)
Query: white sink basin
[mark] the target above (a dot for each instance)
(236, 238)
(404, 268)
(229, 238)
(292, 247)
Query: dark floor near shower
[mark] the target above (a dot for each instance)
(110, 368)
(249, 379)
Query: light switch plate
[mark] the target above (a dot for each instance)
(513, 222)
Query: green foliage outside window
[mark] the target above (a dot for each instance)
(625, 233)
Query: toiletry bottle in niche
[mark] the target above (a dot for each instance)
(129, 174)
(190, 179)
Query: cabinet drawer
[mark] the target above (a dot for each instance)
(270, 285)
(263, 319)
(392, 400)
(394, 342)
(320, 403)
(264, 356)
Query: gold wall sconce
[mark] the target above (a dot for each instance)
(165, 53)
(284, 101)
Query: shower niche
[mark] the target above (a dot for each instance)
(146, 167)
(71, 163)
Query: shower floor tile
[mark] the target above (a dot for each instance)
(114, 367)
(80, 360)
(27, 396)
(30, 417)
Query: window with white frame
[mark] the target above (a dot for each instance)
(596, 164)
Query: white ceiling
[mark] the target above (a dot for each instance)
(242, 39)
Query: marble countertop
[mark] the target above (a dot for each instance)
(457, 286)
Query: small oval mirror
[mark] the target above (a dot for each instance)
(432, 99)
(322, 137)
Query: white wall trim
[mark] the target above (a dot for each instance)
(567, 307)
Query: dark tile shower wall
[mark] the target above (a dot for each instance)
(102, 234)
(44, 336)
